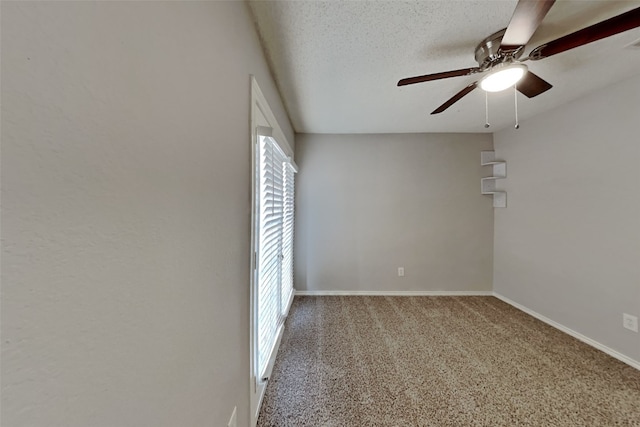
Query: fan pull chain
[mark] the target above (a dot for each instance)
(515, 97)
(486, 109)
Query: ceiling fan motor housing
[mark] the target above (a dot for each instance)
(488, 52)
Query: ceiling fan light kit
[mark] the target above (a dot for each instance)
(503, 76)
(499, 54)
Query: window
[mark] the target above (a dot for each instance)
(275, 245)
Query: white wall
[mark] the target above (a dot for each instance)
(126, 173)
(568, 245)
(367, 204)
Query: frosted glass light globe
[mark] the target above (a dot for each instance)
(504, 77)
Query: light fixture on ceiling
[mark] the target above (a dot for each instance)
(503, 76)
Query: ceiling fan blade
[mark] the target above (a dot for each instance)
(524, 22)
(438, 76)
(455, 98)
(601, 30)
(531, 85)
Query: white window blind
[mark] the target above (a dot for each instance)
(287, 235)
(275, 245)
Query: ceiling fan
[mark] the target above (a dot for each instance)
(499, 55)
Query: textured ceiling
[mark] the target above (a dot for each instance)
(337, 62)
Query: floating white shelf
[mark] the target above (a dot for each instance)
(488, 184)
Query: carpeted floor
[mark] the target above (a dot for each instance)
(439, 361)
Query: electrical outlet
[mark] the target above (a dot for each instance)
(233, 422)
(400, 271)
(630, 322)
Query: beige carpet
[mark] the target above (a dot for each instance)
(439, 361)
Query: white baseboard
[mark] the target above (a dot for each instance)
(395, 293)
(593, 343)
